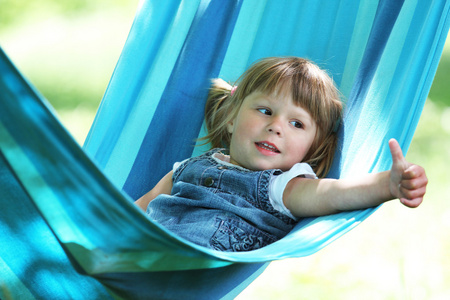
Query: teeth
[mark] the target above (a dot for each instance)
(270, 147)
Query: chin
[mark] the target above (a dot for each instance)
(262, 167)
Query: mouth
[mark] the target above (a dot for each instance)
(271, 148)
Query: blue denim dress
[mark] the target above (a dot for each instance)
(222, 207)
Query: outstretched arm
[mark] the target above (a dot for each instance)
(317, 197)
(164, 186)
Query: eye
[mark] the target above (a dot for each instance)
(265, 111)
(297, 124)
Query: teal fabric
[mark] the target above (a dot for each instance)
(382, 54)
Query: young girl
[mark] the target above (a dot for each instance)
(280, 128)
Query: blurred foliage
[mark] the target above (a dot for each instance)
(431, 142)
(66, 49)
(440, 90)
(14, 11)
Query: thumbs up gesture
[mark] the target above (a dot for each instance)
(407, 181)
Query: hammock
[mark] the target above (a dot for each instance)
(68, 227)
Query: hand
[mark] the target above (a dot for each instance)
(407, 181)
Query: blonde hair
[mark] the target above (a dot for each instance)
(310, 87)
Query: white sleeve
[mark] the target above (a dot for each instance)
(278, 184)
(177, 164)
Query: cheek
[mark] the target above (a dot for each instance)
(309, 149)
(245, 126)
(303, 145)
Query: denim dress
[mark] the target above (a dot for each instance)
(219, 206)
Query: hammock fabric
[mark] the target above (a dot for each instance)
(68, 227)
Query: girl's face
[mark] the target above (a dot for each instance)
(270, 132)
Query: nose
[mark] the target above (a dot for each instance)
(275, 127)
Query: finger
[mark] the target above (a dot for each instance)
(414, 171)
(412, 203)
(396, 151)
(415, 183)
(414, 193)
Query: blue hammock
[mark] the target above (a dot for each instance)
(68, 227)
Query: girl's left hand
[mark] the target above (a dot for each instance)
(407, 181)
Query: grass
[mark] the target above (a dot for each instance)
(397, 253)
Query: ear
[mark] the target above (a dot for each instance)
(230, 126)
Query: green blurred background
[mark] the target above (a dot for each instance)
(68, 50)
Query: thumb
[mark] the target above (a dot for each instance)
(396, 152)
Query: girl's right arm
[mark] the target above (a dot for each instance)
(164, 186)
(318, 197)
